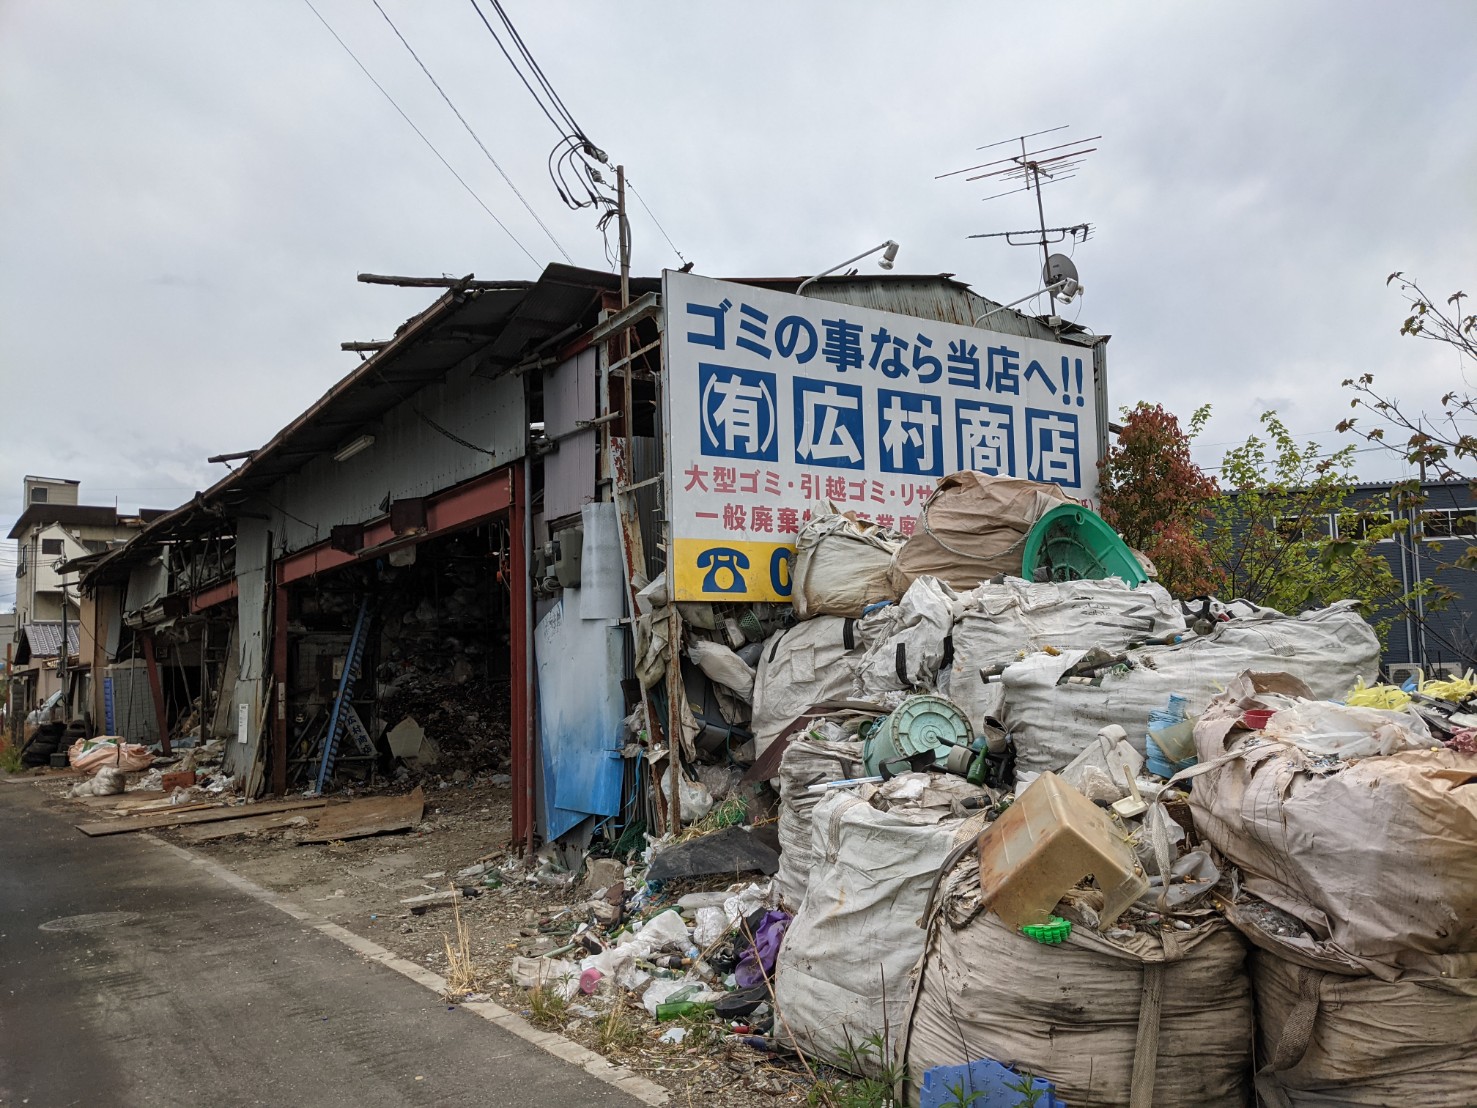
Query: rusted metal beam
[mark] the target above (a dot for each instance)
(219, 594)
(520, 639)
(453, 510)
(643, 307)
(156, 690)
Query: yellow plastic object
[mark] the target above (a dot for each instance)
(1044, 844)
(1456, 690)
(1377, 696)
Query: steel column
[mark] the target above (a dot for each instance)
(156, 689)
(277, 704)
(520, 639)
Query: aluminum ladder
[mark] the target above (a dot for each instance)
(343, 719)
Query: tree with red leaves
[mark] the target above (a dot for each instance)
(1159, 499)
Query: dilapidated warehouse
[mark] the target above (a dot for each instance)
(439, 558)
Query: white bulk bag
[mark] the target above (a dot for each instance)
(1329, 650)
(841, 566)
(1333, 1041)
(1376, 858)
(1011, 617)
(809, 664)
(1161, 1019)
(857, 934)
(911, 656)
(807, 761)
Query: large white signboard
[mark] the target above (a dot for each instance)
(776, 401)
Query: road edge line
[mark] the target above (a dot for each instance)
(551, 1042)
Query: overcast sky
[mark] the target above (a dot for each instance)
(187, 190)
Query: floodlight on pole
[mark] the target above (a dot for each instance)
(889, 255)
(1059, 285)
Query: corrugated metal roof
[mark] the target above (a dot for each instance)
(42, 638)
(502, 325)
(924, 296)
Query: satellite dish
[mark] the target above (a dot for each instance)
(1058, 269)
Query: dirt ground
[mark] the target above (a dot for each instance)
(359, 884)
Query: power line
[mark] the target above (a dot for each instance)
(422, 136)
(537, 69)
(473, 133)
(658, 222)
(536, 98)
(574, 153)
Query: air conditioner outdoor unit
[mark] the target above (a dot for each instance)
(1403, 673)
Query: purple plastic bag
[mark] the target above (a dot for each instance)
(766, 948)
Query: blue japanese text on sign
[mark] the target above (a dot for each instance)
(776, 401)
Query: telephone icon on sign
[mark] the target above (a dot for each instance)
(723, 565)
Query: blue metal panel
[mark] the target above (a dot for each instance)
(579, 714)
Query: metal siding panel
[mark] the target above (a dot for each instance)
(579, 711)
(569, 472)
(409, 457)
(146, 584)
(252, 560)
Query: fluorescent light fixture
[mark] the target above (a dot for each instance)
(352, 447)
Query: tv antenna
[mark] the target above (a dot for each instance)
(1031, 170)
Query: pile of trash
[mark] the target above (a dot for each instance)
(465, 721)
(1012, 813)
(436, 662)
(702, 953)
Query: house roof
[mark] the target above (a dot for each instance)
(78, 515)
(42, 638)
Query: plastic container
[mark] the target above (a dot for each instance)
(1047, 841)
(1160, 763)
(922, 730)
(984, 1084)
(1073, 543)
(1170, 744)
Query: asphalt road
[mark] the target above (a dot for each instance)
(197, 994)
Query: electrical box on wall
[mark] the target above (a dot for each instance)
(569, 552)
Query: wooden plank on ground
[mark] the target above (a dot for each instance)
(243, 826)
(156, 820)
(372, 816)
(123, 800)
(165, 806)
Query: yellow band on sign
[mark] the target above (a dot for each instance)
(725, 571)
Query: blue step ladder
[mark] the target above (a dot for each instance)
(343, 720)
